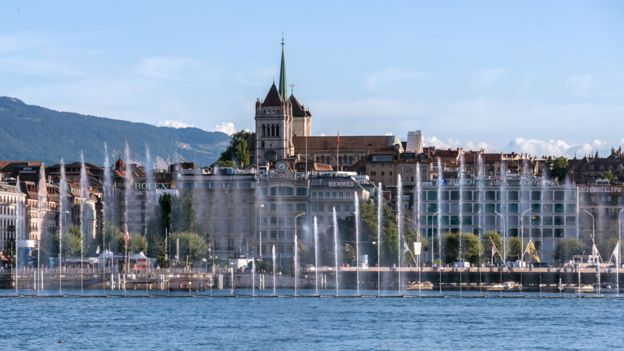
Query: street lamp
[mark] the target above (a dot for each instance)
(593, 235)
(504, 222)
(594, 249)
(414, 222)
(205, 261)
(522, 233)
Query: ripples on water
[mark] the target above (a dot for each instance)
(181, 323)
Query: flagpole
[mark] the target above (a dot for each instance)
(127, 261)
(338, 152)
(617, 266)
(305, 135)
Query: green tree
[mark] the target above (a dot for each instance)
(568, 247)
(106, 238)
(368, 231)
(71, 242)
(514, 248)
(192, 245)
(237, 152)
(165, 204)
(471, 247)
(557, 167)
(136, 243)
(183, 213)
(242, 152)
(608, 175)
(390, 237)
(349, 254)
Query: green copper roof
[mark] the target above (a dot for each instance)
(282, 78)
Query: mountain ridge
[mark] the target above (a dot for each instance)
(30, 132)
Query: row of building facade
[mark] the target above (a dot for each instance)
(296, 177)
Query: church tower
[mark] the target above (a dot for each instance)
(274, 122)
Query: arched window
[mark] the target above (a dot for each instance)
(263, 130)
(277, 130)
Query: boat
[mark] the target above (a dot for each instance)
(510, 285)
(585, 288)
(426, 285)
(494, 287)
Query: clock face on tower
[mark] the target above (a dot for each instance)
(281, 166)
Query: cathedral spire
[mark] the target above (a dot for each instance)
(282, 77)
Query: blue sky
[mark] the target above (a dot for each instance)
(539, 77)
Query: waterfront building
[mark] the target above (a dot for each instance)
(298, 176)
(589, 169)
(604, 202)
(521, 207)
(11, 198)
(245, 213)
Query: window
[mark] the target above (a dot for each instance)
(432, 195)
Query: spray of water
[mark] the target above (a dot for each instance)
(379, 215)
(42, 197)
(316, 256)
(400, 227)
(335, 222)
(440, 207)
(356, 203)
(62, 219)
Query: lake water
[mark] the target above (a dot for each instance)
(327, 323)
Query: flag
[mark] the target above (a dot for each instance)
(495, 252)
(616, 254)
(127, 236)
(596, 254)
(530, 249)
(338, 138)
(406, 247)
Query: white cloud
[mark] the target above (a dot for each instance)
(174, 123)
(557, 147)
(535, 147)
(539, 147)
(225, 127)
(454, 143)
